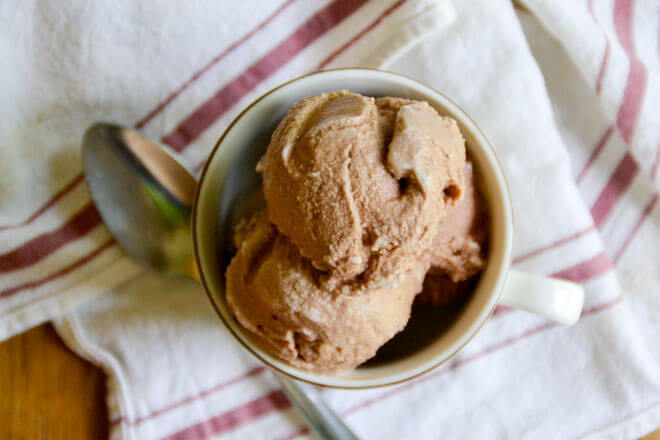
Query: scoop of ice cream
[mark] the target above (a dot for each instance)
(276, 294)
(458, 252)
(363, 195)
(359, 185)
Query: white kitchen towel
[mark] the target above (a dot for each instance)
(585, 211)
(608, 115)
(179, 71)
(616, 47)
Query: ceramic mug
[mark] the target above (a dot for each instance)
(229, 177)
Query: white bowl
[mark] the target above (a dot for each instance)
(229, 176)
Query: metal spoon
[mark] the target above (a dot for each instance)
(145, 198)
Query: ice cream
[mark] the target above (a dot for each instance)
(459, 249)
(354, 181)
(276, 294)
(359, 193)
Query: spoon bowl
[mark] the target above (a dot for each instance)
(144, 196)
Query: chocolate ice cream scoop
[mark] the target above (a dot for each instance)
(275, 293)
(459, 249)
(357, 184)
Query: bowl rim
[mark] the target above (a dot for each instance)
(252, 350)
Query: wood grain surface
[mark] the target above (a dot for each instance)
(47, 392)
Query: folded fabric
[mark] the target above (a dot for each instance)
(175, 372)
(179, 72)
(617, 53)
(603, 95)
(565, 92)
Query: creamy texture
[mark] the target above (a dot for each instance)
(276, 294)
(359, 192)
(459, 249)
(358, 183)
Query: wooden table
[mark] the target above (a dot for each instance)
(47, 392)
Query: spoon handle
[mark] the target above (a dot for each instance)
(320, 419)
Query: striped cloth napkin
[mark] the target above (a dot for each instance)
(179, 72)
(565, 92)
